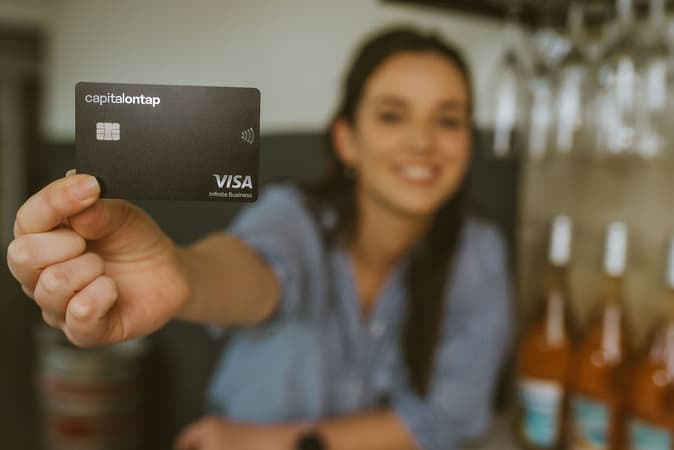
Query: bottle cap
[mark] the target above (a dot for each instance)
(616, 249)
(560, 241)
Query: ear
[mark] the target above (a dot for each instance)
(342, 141)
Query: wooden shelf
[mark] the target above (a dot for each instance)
(532, 12)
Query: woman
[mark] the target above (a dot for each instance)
(367, 311)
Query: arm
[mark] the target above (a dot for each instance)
(377, 430)
(253, 271)
(103, 271)
(367, 431)
(229, 283)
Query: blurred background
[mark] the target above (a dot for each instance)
(573, 117)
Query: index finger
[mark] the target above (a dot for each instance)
(57, 201)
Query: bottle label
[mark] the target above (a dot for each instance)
(590, 424)
(644, 436)
(541, 403)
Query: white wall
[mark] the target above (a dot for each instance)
(294, 51)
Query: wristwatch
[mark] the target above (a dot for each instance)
(310, 440)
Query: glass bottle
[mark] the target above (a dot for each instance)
(598, 379)
(545, 351)
(651, 399)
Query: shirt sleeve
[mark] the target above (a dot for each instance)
(475, 337)
(280, 230)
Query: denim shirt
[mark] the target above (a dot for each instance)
(318, 358)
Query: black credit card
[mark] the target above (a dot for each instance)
(161, 142)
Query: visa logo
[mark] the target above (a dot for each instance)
(234, 181)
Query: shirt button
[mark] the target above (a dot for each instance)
(377, 329)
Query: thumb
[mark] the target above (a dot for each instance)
(101, 219)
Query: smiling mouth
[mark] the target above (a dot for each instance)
(418, 173)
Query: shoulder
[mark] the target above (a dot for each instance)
(279, 224)
(279, 196)
(279, 204)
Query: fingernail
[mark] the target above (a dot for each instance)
(80, 309)
(71, 172)
(85, 188)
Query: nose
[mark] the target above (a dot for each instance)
(420, 139)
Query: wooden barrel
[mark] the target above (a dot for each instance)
(91, 399)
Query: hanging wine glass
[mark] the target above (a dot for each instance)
(618, 87)
(654, 92)
(550, 47)
(540, 113)
(573, 86)
(598, 35)
(508, 90)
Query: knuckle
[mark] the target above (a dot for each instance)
(30, 293)
(53, 280)
(51, 320)
(19, 221)
(43, 299)
(74, 337)
(85, 335)
(20, 252)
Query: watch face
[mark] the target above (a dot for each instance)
(310, 441)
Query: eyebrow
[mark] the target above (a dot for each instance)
(392, 100)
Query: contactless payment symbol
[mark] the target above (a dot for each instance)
(248, 135)
(107, 131)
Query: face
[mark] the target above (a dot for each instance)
(409, 144)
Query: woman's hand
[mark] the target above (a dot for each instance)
(216, 433)
(100, 270)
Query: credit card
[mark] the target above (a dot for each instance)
(162, 142)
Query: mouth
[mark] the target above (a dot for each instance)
(418, 174)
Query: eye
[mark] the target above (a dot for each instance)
(390, 117)
(450, 122)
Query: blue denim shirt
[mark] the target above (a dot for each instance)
(318, 358)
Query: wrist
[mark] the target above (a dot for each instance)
(287, 435)
(310, 437)
(185, 261)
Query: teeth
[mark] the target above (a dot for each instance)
(416, 173)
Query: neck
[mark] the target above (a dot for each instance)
(613, 289)
(556, 279)
(382, 236)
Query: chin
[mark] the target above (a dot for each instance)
(422, 199)
(418, 207)
(411, 201)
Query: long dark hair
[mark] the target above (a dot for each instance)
(428, 270)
